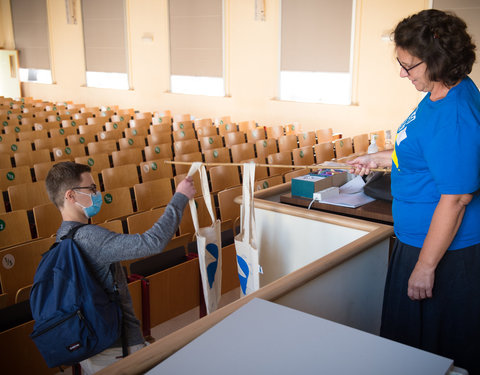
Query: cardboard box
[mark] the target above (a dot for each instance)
(305, 186)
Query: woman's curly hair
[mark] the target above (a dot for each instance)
(440, 39)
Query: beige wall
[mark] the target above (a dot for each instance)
(382, 99)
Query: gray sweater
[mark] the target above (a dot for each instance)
(103, 247)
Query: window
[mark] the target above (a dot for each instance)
(30, 27)
(196, 47)
(105, 43)
(316, 51)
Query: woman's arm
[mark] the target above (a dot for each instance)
(363, 164)
(445, 222)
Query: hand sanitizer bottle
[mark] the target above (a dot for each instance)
(373, 148)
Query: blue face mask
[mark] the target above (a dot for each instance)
(96, 204)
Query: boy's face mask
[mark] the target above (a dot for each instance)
(94, 208)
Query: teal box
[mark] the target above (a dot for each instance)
(305, 186)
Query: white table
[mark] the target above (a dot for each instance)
(262, 337)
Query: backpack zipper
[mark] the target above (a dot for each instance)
(78, 313)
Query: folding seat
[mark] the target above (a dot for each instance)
(80, 139)
(207, 131)
(153, 194)
(210, 142)
(14, 176)
(161, 120)
(31, 158)
(181, 135)
(323, 152)
(307, 139)
(268, 182)
(287, 142)
(242, 151)
(12, 148)
(185, 147)
(163, 150)
(97, 162)
(245, 126)
(102, 147)
(41, 169)
(222, 120)
(360, 144)
(155, 169)
(128, 156)
(217, 155)
(47, 219)
(117, 204)
(234, 138)
(137, 141)
(303, 156)
(181, 169)
(227, 128)
(276, 131)
(343, 147)
(121, 176)
(280, 158)
(133, 132)
(254, 135)
(324, 135)
(266, 147)
(68, 152)
(63, 131)
(198, 123)
(15, 229)
(260, 172)
(184, 125)
(223, 177)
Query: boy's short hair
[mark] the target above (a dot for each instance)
(62, 177)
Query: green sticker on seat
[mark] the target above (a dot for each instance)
(68, 150)
(19, 117)
(227, 126)
(90, 162)
(103, 114)
(61, 131)
(54, 108)
(293, 127)
(22, 106)
(115, 125)
(2, 225)
(130, 141)
(1, 138)
(121, 118)
(265, 184)
(182, 134)
(17, 129)
(304, 135)
(181, 126)
(9, 112)
(10, 176)
(82, 140)
(301, 154)
(108, 109)
(210, 140)
(341, 143)
(160, 119)
(157, 150)
(221, 122)
(14, 147)
(5, 123)
(73, 123)
(215, 154)
(134, 131)
(264, 143)
(58, 118)
(68, 112)
(154, 166)
(108, 198)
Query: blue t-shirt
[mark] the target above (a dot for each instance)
(437, 151)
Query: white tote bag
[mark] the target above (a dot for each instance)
(245, 241)
(209, 245)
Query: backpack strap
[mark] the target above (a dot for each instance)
(72, 232)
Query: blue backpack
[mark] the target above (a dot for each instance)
(75, 318)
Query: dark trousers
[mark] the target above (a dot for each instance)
(448, 324)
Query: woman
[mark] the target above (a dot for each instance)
(432, 292)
